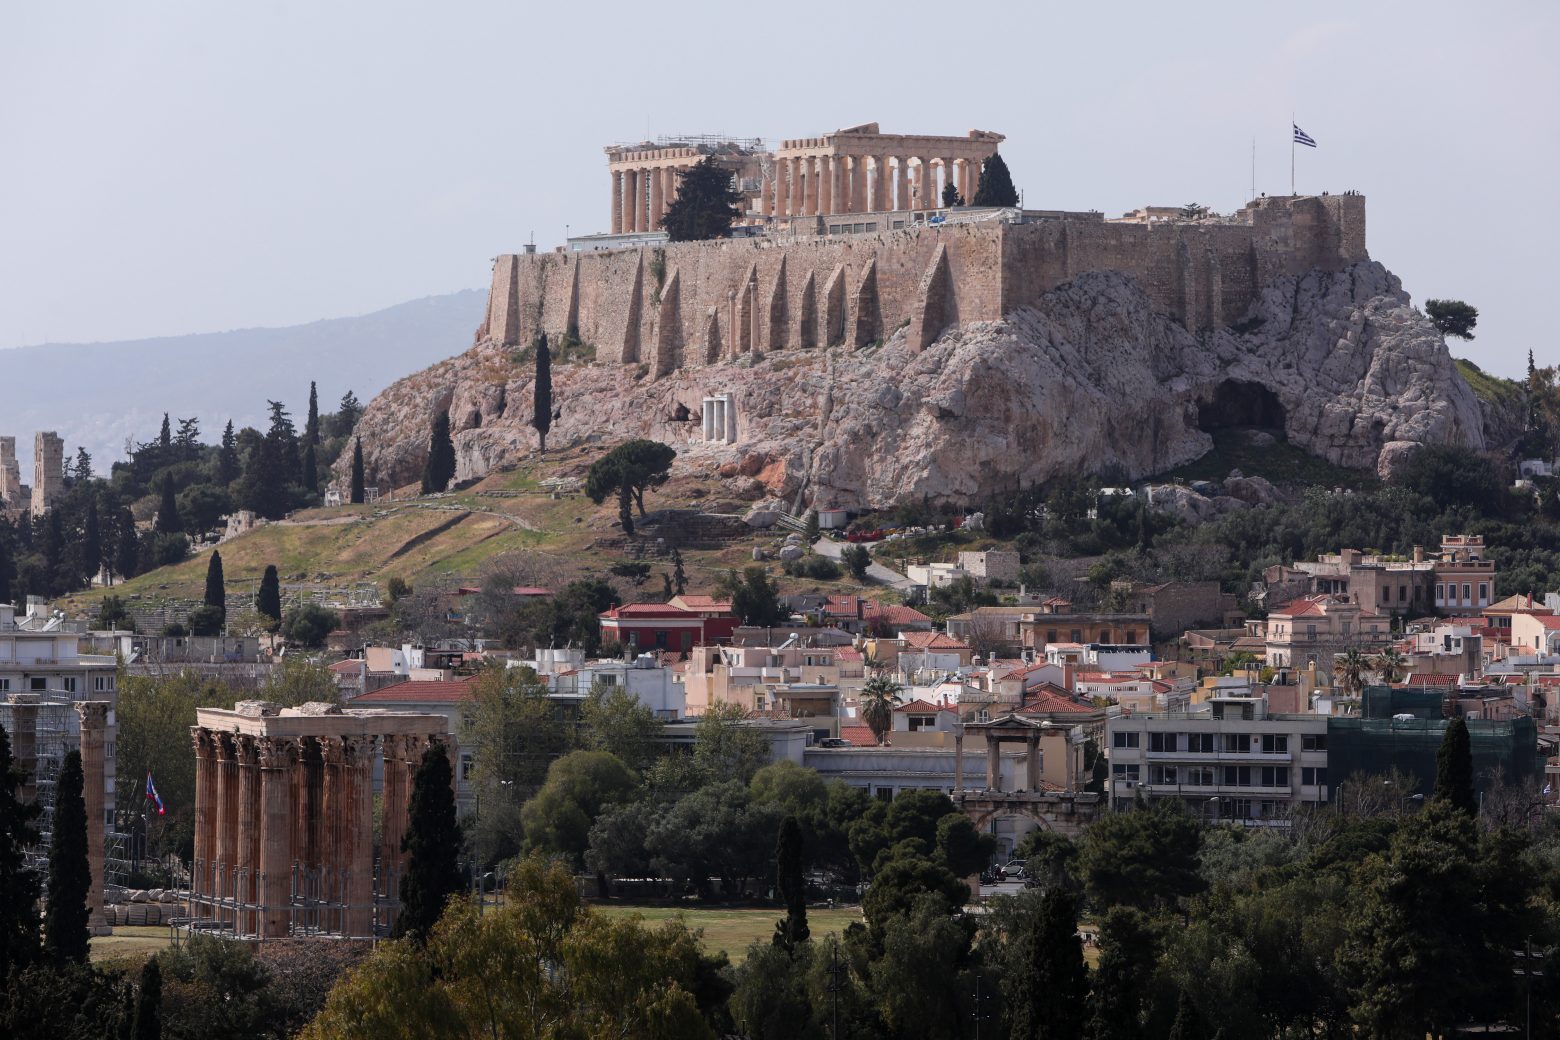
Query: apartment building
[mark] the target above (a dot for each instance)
(1236, 761)
(1312, 630)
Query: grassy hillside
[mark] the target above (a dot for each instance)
(1280, 462)
(1495, 390)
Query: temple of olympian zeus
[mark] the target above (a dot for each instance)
(284, 817)
(855, 170)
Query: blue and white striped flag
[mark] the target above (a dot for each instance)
(1301, 137)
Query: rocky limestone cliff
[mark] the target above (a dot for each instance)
(1091, 378)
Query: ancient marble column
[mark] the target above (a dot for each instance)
(974, 177)
(225, 824)
(617, 202)
(657, 201)
(993, 763)
(24, 743)
(393, 814)
(668, 189)
(1032, 763)
(206, 769)
(358, 771)
(901, 183)
(276, 756)
(880, 200)
(248, 759)
(782, 187)
(332, 844)
(950, 175)
(827, 182)
(94, 727)
(797, 187)
(927, 199)
(858, 184)
(631, 203)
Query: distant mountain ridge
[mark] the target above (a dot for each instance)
(96, 395)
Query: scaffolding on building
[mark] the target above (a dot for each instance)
(57, 732)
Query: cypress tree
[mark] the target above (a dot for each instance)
(7, 570)
(679, 577)
(91, 541)
(951, 196)
(357, 472)
(227, 458)
(216, 588)
(541, 406)
(706, 203)
(440, 467)
(127, 552)
(165, 438)
(1454, 768)
(1046, 995)
(168, 520)
(432, 843)
(18, 885)
(791, 885)
(268, 601)
(65, 918)
(311, 470)
(311, 427)
(147, 1024)
(996, 184)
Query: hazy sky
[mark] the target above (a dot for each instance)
(172, 167)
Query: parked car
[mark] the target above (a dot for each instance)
(835, 742)
(1013, 869)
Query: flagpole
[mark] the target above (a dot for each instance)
(1291, 154)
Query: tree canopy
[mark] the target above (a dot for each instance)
(996, 184)
(1453, 317)
(706, 205)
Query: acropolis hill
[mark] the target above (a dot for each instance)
(858, 348)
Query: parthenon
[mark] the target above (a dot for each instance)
(855, 170)
(284, 807)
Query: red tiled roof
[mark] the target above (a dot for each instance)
(704, 603)
(920, 707)
(859, 735)
(1429, 679)
(1547, 620)
(417, 691)
(1305, 606)
(347, 667)
(933, 641)
(649, 610)
(847, 654)
(1043, 701)
(894, 613)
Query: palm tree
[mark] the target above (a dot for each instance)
(1350, 669)
(1391, 664)
(879, 697)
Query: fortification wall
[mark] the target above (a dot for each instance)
(697, 303)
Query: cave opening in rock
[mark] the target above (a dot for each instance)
(1237, 404)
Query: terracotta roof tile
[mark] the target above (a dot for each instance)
(417, 691)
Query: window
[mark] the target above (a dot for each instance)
(884, 794)
(1050, 635)
(1199, 776)
(1313, 742)
(1126, 772)
(1162, 775)
(920, 722)
(1313, 776)
(68, 684)
(1275, 776)
(1132, 635)
(1124, 740)
(1161, 742)
(1440, 592)
(1484, 591)
(1077, 635)
(1466, 593)
(38, 684)
(1237, 776)
(5, 685)
(1236, 744)
(1310, 631)
(1402, 593)
(1275, 744)
(1199, 743)
(465, 767)
(100, 683)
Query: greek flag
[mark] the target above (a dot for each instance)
(1301, 137)
(152, 795)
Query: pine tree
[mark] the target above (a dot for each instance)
(706, 203)
(147, 1024)
(311, 427)
(268, 601)
(91, 541)
(18, 884)
(83, 468)
(1128, 950)
(432, 844)
(127, 551)
(216, 587)
(791, 885)
(541, 409)
(65, 918)
(357, 472)
(311, 470)
(1454, 768)
(7, 571)
(440, 467)
(168, 520)
(996, 184)
(227, 457)
(679, 577)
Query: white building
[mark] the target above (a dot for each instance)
(1234, 761)
(651, 683)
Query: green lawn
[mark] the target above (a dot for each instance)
(735, 930)
(131, 943)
